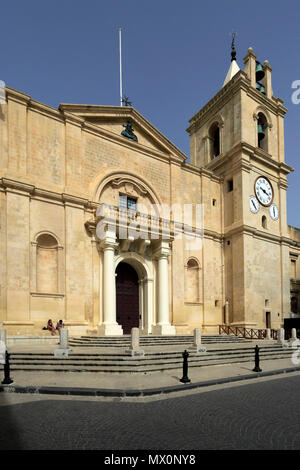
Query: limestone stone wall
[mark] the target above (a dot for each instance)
(57, 166)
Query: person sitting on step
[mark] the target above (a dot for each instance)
(50, 327)
(59, 325)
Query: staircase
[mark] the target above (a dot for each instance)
(90, 360)
(124, 341)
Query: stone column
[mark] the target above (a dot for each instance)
(109, 327)
(148, 303)
(141, 304)
(163, 326)
(135, 349)
(268, 333)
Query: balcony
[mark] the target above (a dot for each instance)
(126, 223)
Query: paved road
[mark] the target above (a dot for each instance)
(262, 415)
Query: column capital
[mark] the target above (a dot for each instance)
(108, 243)
(162, 250)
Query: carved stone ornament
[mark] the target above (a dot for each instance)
(128, 132)
(131, 188)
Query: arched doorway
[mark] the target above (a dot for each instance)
(127, 297)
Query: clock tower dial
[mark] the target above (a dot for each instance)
(254, 205)
(263, 191)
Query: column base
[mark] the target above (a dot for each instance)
(111, 329)
(164, 330)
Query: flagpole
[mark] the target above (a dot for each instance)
(120, 51)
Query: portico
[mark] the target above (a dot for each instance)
(149, 258)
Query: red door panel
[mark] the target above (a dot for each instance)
(127, 293)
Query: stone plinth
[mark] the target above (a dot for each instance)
(197, 344)
(63, 350)
(3, 335)
(280, 336)
(135, 349)
(2, 352)
(294, 342)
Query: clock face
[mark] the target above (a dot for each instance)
(263, 191)
(254, 205)
(274, 211)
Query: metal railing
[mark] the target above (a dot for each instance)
(248, 333)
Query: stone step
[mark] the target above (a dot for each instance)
(147, 363)
(117, 342)
(134, 366)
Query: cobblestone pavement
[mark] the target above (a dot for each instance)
(261, 415)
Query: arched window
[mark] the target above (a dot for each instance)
(264, 222)
(214, 139)
(192, 281)
(262, 132)
(47, 264)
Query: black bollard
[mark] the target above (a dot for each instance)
(185, 378)
(7, 380)
(257, 368)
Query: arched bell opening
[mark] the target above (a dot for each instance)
(214, 138)
(262, 132)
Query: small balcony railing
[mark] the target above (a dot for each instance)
(123, 218)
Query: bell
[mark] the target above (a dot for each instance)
(260, 131)
(262, 89)
(259, 72)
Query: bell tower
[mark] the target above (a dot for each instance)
(239, 136)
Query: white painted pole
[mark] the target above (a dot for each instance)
(120, 49)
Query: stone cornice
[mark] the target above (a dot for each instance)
(120, 140)
(240, 80)
(17, 96)
(125, 112)
(255, 154)
(18, 186)
(34, 192)
(26, 100)
(76, 114)
(254, 232)
(201, 172)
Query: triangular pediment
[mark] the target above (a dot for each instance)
(114, 119)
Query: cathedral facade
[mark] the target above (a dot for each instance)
(99, 223)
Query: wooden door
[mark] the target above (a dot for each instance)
(127, 293)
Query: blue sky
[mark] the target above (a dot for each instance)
(175, 57)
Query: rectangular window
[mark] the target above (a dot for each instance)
(126, 202)
(293, 268)
(230, 185)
